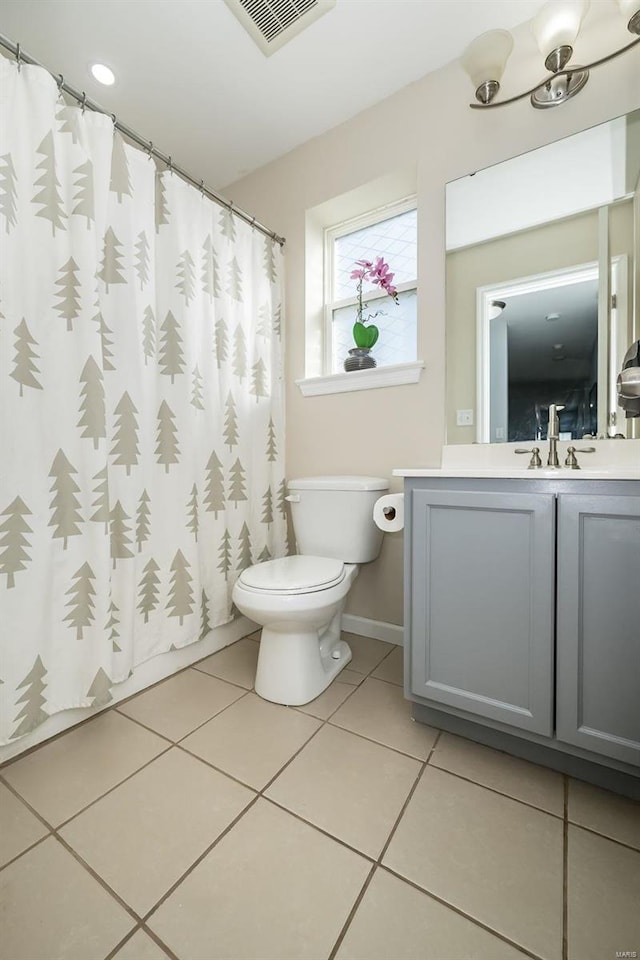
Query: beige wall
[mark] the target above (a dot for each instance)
(427, 125)
(554, 246)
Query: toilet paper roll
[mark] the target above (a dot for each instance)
(388, 512)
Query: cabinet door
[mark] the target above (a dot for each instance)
(482, 589)
(598, 633)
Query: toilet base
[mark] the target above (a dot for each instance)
(295, 666)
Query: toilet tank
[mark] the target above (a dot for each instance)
(333, 516)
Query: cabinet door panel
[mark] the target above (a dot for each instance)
(482, 604)
(598, 692)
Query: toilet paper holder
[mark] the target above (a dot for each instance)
(389, 512)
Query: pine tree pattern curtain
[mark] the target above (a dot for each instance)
(141, 406)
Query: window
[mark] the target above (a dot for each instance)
(390, 233)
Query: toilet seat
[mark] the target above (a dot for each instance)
(293, 575)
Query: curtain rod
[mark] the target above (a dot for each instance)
(147, 145)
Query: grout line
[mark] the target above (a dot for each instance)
(212, 766)
(378, 862)
(214, 676)
(500, 793)
(50, 827)
(154, 936)
(26, 850)
(96, 876)
(325, 833)
(121, 943)
(379, 743)
(565, 868)
(199, 860)
(461, 913)
(114, 787)
(352, 912)
(214, 716)
(292, 758)
(408, 799)
(604, 836)
(391, 683)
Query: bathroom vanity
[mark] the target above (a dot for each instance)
(522, 613)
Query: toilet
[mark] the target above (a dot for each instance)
(298, 600)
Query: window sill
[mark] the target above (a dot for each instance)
(391, 376)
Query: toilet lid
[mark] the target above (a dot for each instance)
(294, 574)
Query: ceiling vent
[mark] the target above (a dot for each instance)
(272, 23)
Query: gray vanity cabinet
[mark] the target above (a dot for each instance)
(482, 590)
(523, 617)
(598, 625)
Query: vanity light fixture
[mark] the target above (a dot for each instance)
(555, 27)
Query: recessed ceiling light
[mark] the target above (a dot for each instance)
(103, 74)
(552, 316)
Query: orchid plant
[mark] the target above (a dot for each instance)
(379, 274)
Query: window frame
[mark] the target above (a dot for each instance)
(331, 234)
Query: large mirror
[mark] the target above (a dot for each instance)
(540, 278)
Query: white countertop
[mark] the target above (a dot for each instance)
(611, 460)
(539, 474)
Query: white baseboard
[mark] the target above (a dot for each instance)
(377, 629)
(145, 675)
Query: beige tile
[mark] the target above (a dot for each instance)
(516, 778)
(497, 860)
(367, 652)
(143, 835)
(396, 920)
(604, 812)
(335, 694)
(63, 776)
(348, 786)
(392, 667)
(252, 739)
(53, 909)
(140, 947)
(603, 897)
(180, 704)
(19, 828)
(236, 663)
(273, 888)
(378, 710)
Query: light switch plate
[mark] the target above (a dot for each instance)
(464, 418)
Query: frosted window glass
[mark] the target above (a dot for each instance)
(394, 239)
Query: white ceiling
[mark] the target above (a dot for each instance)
(192, 80)
(561, 349)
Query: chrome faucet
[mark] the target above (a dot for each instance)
(553, 434)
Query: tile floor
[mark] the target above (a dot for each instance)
(196, 821)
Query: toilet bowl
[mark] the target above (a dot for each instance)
(299, 600)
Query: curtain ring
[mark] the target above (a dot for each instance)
(113, 119)
(60, 84)
(202, 188)
(230, 207)
(170, 165)
(253, 220)
(18, 57)
(83, 102)
(150, 149)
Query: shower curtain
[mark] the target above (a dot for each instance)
(141, 418)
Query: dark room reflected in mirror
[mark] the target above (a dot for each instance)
(540, 273)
